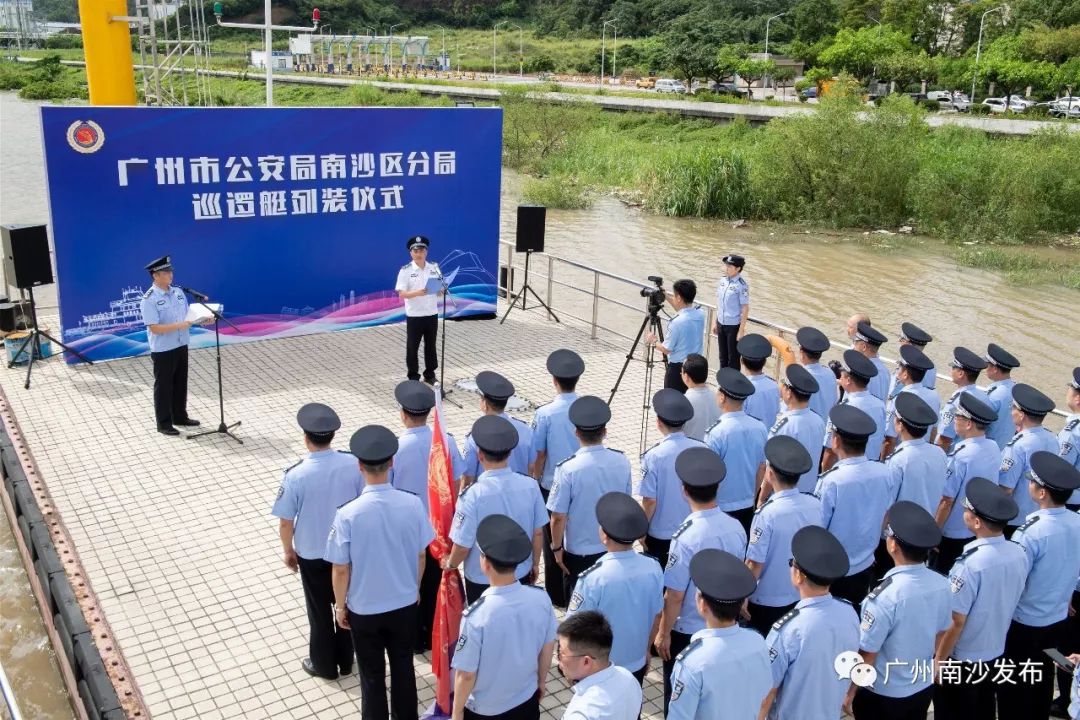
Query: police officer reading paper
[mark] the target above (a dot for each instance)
(164, 310)
(311, 492)
(377, 545)
(421, 309)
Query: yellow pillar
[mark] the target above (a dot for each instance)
(110, 71)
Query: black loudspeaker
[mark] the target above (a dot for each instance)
(530, 228)
(26, 255)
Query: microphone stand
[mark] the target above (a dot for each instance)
(222, 428)
(442, 343)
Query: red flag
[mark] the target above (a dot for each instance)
(450, 601)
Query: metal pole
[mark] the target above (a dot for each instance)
(767, 22)
(603, 47)
(595, 303)
(614, 51)
(550, 272)
(268, 46)
(494, 35)
(978, 51)
(521, 52)
(391, 34)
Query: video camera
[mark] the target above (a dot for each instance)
(656, 295)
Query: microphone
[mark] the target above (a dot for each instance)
(195, 294)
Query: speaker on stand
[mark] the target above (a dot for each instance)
(531, 222)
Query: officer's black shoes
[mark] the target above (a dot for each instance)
(168, 430)
(345, 670)
(310, 670)
(1060, 708)
(190, 422)
(429, 380)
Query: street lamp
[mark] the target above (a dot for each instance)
(767, 32)
(521, 51)
(978, 51)
(442, 55)
(603, 48)
(494, 32)
(390, 32)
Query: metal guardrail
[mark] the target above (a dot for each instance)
(597, 300)
(9, 696)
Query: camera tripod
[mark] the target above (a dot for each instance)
(651, 321)
(32, 344)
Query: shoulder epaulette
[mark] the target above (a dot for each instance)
(615, 450)
(955, 395)
(688, 649)
(847, 602)
(1072, 423)
(894, 452)
(709, 429)
(589, 569)
(344, 452)
(148, 292)
(561, 462)
(462, 491)
(293, 465)
(954, 449)
(827, 471)
(779, 424)
(968, 553)
(877, 590)
(651, 449)
(1014, 439)
(763, 506)
(1030, 521)
(410, 492)
(406, 265)
(682, 528)
(788, 617)
(813, 495)
(473, 606)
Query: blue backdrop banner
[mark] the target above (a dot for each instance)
(294, 218)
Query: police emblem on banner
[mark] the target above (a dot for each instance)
(85, 136)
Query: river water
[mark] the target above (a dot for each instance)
(796, 278)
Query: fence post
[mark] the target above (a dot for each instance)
(550, 270)
(595, 302)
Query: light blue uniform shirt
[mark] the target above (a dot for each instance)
(310, 494)
(497, 492)
(879, 384)
(722, 673)
(553, 433)
(502, 635)
(854, 498)
(410, 469)
(731, 295)
(1051, 538)
(808, 428)
(917, 473)
(946, 423)
(930, 397)
(764, 404)
(1016, 463)
(611, 694)
(580, 481)
(686, 334)
(986, 583)
(1000, 397)
(739, 440)
(823, 400)
(803, 645)
(771, 530)
(164, 307)
(628, 588)
(1069, 441)
(971, 458)
(929, 381)
(382, 534)
(876, 410)
(660, 482)
(703, 530)
(520, 457)
(901, 618)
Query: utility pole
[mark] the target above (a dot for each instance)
(494, 35)
(978, 52)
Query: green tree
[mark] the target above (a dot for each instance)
(753, 70)
(814, 20)
(1067, 77)
(783, 76)
(906, 68)
(1012, 76)
(859, 51)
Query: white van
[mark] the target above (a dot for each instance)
(670, 86)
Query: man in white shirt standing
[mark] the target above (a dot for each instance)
(695, 373)
(421, 309)
(602, 691)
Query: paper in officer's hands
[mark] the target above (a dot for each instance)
(199, 313)
(435, 284)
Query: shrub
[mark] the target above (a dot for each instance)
(704, 183)
(556, 192)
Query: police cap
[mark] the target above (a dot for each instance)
(494, 434)
(857, 364)
(851, 422)
(865, 332)
(1030, 400)
(737, 260)
(672, 407)
(967, 360)
(787, 455)
(1075, 384)
(318, 419)
(417, 241)
(812, 340)
(1001, 357)
(502, 540)
(989, 501)
(565, 364)
(589, 413)
(734, 384)
(754, 347)
(914, 411)
(493, 385)
(914, 334)
(975, 409)
(373, 444)
(912, 357)
(162, 263)
(721, 576)
(800, 380)
(414, 397)
(817, 552)
(699, 467)
(621, 517)
(912, 525)
(1053, 471)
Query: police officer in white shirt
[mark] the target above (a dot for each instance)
(421, 309)
(602, 690)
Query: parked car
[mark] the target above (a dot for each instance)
(810, 92)
(721, 88)
(1018, 103)
(666, 85)
(939, 95)
(950, 103)
(648, 83)
(996, 105)
(1065, 108)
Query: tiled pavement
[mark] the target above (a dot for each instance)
(176, 535)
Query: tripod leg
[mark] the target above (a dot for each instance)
(550, 311)
(629, 357)
(19, 352)
(34, 350)
(67, 348)
(513, 302)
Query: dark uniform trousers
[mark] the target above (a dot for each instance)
(329, 646)
(425, 328)
(170, 385)
(473, 591)
(554, 581)
(392, 634)
(528, 710)
(948, 551)
(679, 641)
(853, 588)
(429, 593)
(762, 617)
(1024, 646)
(640, 674)
(673, 377)
(576, 564)
(727, 337)
(658, 549)
(745, 516)
(883, 562)
(868, 705)
(966, 700)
